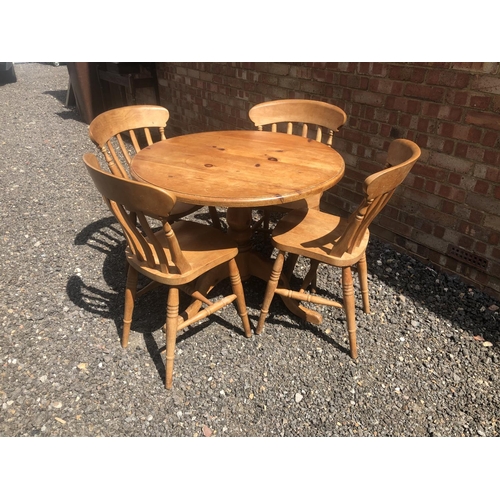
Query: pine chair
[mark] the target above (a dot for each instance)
(174, 258)
(144, 124)
(301, 116)
(339, 242)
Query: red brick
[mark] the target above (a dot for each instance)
(347, 67)
(483, 203)
(458, 98)
(385, 86)
(403, 104)
(490, 139)
(278, 93)
(288, 83)
(268, 79)
(365, 97)
(494, 239)
(385, 130)
(480, 247)
(466, 242)
(426, 199)
(425, 125)
(476, 67)
(437, 216)
(424, 92)
(488, 84)
(480, 101)
(447, 78)
(461, 150)
(448, 207)
(495, 103)
(430, 186)
(405, 120)
(412, 136)
(481, 187)
(322, 75)
(418, 182)
(452, 193)
(429, 171)
(475, 153)
(492, 157)
(407, 73)
(352, 135)
(460, 132)
(454, 178)
(300, 72)
(395, 226)
(443, 112)
(493, 174)
(483, 119)
(438, 231)
(447, 162)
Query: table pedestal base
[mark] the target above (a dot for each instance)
(249, 263)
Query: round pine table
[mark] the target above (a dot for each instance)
(241, 170)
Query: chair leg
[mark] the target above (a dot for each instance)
(289, 266)
(214, 215)
(267, 219)
(270, 289)
(310, 277)
(237, 287)
(171, 333)
(130, 293)
(363, 283)
(348, 299)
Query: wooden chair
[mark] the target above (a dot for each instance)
(175, 258)
(332, 240)
(144, 124)
(315, 119)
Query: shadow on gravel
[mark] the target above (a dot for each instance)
(70, 115)
(105, 236)
(60, 95)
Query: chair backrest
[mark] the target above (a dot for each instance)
(140, 122)
(378, 189)
(131, 202)
(304, 112)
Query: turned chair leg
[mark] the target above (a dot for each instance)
(171, 333)
(237, 287)
(310, 277)
(130, 292)
(214, 215)
(363, 283)
(348, 299)
(270, 289)
(291, 262)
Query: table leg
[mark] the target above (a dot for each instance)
(253, 264)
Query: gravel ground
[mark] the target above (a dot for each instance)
(428, 354)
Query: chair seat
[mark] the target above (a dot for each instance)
(313, 234)
(203, 246)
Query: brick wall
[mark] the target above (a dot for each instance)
(447, 212)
